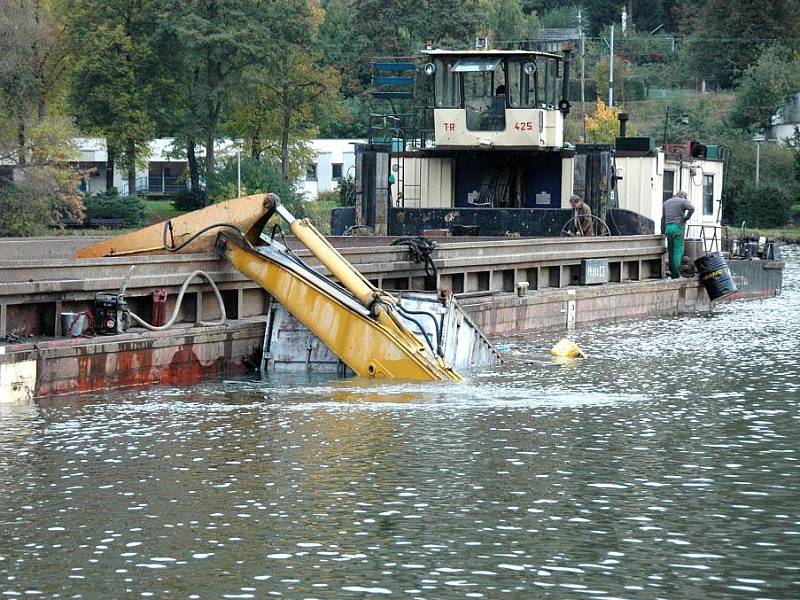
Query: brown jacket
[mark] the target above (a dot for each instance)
(582, 220)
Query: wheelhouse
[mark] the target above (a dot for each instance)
(496, 98)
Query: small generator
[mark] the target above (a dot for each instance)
(111, 314)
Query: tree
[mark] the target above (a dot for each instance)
(622, 71)
(731, 34)
(560, 17)
(216, 41)
(765, 205)
(32, 62)
(114, 77)
(508, 23)
(34, 136)
(282, 106)
(603, 125)
(765, 84)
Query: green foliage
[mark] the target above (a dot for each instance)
(622, 72)
(110, 205)
(29, 207)
(765, 205)
(115, 66)
(348, 118)
(347, 191)
(277, 114)
(507, 23)
(560, 17)
(764, 86)
(24, 214)
(330, 197)
(258, 176)
(730, 35)
(189, 199)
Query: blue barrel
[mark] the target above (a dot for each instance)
(715, 275)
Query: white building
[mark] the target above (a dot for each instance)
(167, 170)
(786, 120)
(334, 161)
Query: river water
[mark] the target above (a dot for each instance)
(665, 465)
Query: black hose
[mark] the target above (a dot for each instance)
(422, 329)
(172, 248)
(408, 311)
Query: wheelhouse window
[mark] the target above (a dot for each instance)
(548, 81)
(708, 194)
(669, 185)
(484, 92)
(336, 171)
(521, 88)
(447, 88)
(311, 172)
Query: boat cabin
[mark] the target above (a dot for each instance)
(496, 162)
(497, 99)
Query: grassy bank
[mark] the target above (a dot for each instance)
(784, 235)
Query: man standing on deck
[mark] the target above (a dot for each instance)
(581, 217)
(677, 212)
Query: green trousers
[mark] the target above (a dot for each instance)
(675, 248)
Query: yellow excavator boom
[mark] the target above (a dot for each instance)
(357, 321)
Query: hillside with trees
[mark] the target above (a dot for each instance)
(276, 73)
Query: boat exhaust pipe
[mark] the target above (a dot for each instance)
(563, 104)
(623, 122)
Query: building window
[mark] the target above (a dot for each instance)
(669, 184)
(311, 172)
(708, 194)
(336, 171)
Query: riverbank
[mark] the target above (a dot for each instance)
(782, 235)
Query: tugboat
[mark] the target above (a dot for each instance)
(479, 150)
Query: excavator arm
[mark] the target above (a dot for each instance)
(360, 323)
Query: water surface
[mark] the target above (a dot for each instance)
(664, 465)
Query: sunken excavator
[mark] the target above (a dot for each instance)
(373, 332)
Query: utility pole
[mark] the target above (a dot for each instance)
(238, 172)
(611, 69)
(583, 72)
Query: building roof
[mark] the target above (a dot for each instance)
(559, 34)
(484, 53)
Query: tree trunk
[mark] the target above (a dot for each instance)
(285, 143)
(111, 156)
(21, 150)
(194, 174)
(131, 181)
(255, 147)
(131, 160)
(209, 157)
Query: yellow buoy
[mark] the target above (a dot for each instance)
(568, 349)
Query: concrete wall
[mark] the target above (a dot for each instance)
(181, 356)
